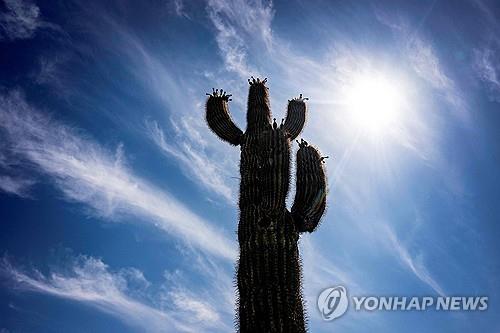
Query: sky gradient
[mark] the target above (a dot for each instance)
(119, 206)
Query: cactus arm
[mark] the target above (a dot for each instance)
(219, 119)
(311, 189)
(295, 116)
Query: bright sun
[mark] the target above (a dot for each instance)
(374, 101)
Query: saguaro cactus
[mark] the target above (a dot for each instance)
(268, 277)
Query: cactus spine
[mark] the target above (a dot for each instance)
(269, 271)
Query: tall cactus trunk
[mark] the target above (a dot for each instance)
(269, 275)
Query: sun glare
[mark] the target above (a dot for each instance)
(374, 101)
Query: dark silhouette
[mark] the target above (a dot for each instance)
(269, 271)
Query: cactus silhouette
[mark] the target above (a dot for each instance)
(269, 271)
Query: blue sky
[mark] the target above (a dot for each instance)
(118, 205)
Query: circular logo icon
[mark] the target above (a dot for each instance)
(333, 302)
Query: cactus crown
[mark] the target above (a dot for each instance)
(258, 110)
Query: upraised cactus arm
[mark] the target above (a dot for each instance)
(295, 116)
(311, 190)
(219, 119)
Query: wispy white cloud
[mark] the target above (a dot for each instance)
(488, 12)
(199, 310)
(232, 48)
(488, 70)
(234, 22)
(426, 64)
(485, 57)
(198, 153)
(322, 270)
(16, 185)
(193, 161)
(124, 294)
(215, 291)
(21, 20)
(414, 264)
(178, 7)
(89, 281)
(254, 16)
(50, 71)
(88, 174)
(177, 303)
(11, 181)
